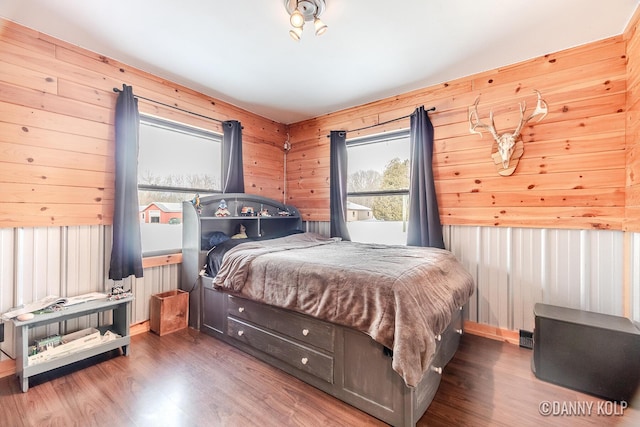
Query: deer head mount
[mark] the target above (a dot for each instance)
(507, 148)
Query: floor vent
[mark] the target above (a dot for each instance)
(526, 339)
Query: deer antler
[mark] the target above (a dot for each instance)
(541, 108)
(506, 145)
(473, 114)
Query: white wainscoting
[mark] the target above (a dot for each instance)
(319, 227)
(68, 261)
(515, 268)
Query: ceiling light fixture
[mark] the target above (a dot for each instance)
(301, 11)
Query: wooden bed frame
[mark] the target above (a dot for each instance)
(341, 361)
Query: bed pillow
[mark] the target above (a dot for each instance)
(212, 239)
(217, 237)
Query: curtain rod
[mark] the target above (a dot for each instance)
(384, 123)
(115, 89)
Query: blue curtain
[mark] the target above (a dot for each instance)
(126, 252)
(338, 185)
(424, 227)
(232, 167)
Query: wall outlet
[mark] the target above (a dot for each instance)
(526, 339)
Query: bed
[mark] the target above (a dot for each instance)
(372, 325)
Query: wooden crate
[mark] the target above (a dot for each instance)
(169, 311)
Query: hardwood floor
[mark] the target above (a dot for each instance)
(190, 379)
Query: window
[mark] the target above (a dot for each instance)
(378, 188)
(175, 161)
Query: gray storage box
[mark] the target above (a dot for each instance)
(591, 352)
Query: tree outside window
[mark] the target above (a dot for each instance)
(378, 188)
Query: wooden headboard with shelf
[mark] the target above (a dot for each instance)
(261, 216)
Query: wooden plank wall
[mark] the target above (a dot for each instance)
(572, 173)
(57, 109)
(56, 138)
(632, 36)
(632, 213)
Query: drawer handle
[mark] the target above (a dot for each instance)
(304, 360)
(240, 333)
(459, 331)
(305, 332)
(438, 337)
(437, 370)
(240, 309)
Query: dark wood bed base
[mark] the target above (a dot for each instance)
(338, 360)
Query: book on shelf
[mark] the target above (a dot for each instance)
(51, 301)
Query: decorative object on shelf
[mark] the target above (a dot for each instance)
(196, 203)
(222, 209)
(265, 212)
(241, 232)
(246, 211)
(118, 293)
(507, 148)
(301, 11)
(283, 213)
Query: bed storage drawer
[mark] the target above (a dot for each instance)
(213, 311)
(447, 342)
(301, 328)
(291, 352)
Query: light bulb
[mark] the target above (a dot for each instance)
(320, 26)
(296, 33)
(296, 19)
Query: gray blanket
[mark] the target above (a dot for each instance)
(401, 296)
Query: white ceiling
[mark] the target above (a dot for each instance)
(240, 52)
